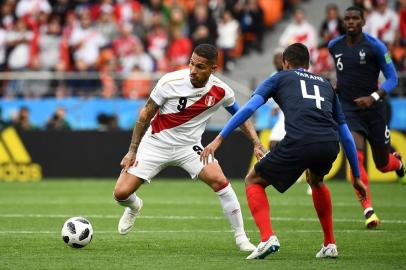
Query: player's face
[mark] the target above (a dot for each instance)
(353, 22)
(200, 70)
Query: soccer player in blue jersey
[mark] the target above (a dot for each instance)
(314, 124)
(359, 59)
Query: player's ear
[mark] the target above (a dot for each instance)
(214, 67)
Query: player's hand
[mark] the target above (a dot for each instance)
(127, 161)
(208, 151)
(361, 188)
(259, 150)
(364, 102)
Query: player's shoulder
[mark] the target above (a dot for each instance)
(332, 43)
(216, 81)
(376, 43)
(174, 77)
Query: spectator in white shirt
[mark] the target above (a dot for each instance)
(86, 42)
(32, 7)
(300, 31)
(228, 30)
(382, 23)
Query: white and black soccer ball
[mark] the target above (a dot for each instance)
(77, 232)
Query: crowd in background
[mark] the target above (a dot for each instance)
(129, 37)
(385, 20)
(135, 37)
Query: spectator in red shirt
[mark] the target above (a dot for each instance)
(179, 50)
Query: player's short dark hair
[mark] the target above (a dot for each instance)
(207, 51)
(297, 55)
(358, 9)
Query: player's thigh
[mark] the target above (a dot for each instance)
(320, 157)
(282, 166)
(126, 185)
(151, 159)
(189, 159)
(379, 137)
(359, 128)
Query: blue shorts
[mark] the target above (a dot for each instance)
(286, 162)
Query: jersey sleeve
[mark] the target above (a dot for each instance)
(387, 67)
(268, 87)
(158, 93)
(338, 114)
(229, 98)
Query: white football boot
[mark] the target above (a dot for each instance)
(244, 244)
(265, 248)
(127, 220)
(330, 251)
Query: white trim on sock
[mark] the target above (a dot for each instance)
(367, 210)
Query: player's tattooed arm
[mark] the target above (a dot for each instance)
(147, 112)
(141, 126)
(250, 132)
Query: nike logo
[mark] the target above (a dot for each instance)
(338, 55)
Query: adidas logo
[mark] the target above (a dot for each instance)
(15, 161)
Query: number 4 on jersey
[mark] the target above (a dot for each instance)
(316, 95)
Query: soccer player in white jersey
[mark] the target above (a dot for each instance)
(168, 133)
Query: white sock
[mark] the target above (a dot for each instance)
(232, 210)
(132, 202)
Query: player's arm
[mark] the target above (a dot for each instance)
(260, 96)
(391, 78)
(237, 120)
(146, 114)
(348, 144)
(248, 129)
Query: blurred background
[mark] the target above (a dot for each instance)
(74, 74)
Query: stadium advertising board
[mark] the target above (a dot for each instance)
(29, 156)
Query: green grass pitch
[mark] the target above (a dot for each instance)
(182, 227)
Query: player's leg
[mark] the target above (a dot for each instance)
(320, 158)
(385, 161)
(150, 159)
(124, 194)
(259, 207)
(371, 219)
(213, 176)
(322, 204)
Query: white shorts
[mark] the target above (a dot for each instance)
(153, 157)
(278, 131)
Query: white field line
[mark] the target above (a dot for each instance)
(341, 220)
(202, 231)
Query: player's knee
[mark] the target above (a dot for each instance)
(121, 193)
(219, 184)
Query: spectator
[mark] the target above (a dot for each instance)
(228, 32)
(157, 42)
(383, 23)
(154, 7)
(58, 122)
(252, 25)
(32, 8)
(124, 10)
(124, 45)
(332, 26)
(299, 30)
(203, 28)
(3, 43)
(139, 29)
(177, 20)
(179, 50)
(106, 25)
(139, 58)
(19, 48)
(107, 122)
(86, 42)
(7, 15)
(22, 121)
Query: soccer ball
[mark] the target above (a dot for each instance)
(77, 232)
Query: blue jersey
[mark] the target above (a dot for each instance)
(311, 107)
(358, 67)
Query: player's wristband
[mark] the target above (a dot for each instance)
(375, 96)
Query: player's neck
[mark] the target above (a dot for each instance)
(352, 40)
